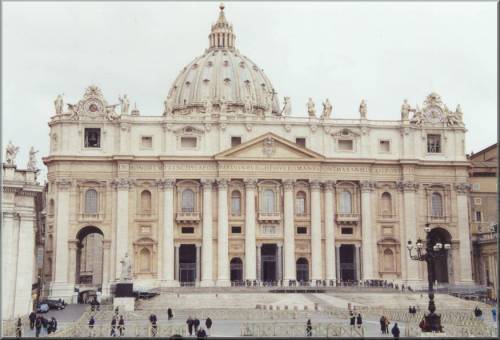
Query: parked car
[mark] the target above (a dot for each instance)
(54, 304)
(143, 294)
(42, 308)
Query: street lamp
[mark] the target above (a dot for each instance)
(431, 252)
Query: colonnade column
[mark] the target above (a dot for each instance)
(198, 266)
(167, 254)
(23, 302)
(357, 262)
(279, 261)
(410, 225)
(206, 247)
(106, 247)
(366, 231)
(222, 237)
(250, 260)
(259, 263)
(8, 266)
(289, 233)
(122, 241)
(73, 247)
(176, 263)
(337, 256)
(464, 233)
(330, 231)
(316, 253)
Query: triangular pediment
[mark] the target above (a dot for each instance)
(269, 147)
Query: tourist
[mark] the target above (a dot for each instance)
(359, 320)
(45, 324)
(154, 326)
(478, 313)
(352, 319)
(422, 325)
(170, 314)
(190, 323)
(52, 326)
(91, 325)
(208, 323)
(121, 325)
(113, 326)
(309, 328)
(38, 325)
(494, 313)
(382, 324)
(395, 331)
(19, 327)
(32, 318)
(387, 322)
(196, 324)
(201, 334)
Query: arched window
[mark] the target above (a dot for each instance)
(302, 267)
(236, 267)
(146, 201)
(269, 202)
(91, 201)
(388, 260)
(188, 200)
(345, 202)
(236, 203)
(300, 203)
(386, 204)
(437, 204)
(145, 260)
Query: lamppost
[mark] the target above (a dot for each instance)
(429, 254)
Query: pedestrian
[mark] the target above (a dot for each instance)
(113, 326)
(38, 325)
(52, 326)
(422, 325)
(91, 325)
(19, 327)
(121, 325)
(45, 324)
(494, 313)
(201, 334)
(387, 322)
(395, 331)
(170, 314)
(309, 328)
(190, 323)
(409, 309)
(359, 320)
(208, 323)
(382, 324)
(196, 324)
(32, 318)
(154, 326)
(352, 318)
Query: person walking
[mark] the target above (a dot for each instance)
(382, 324)
(113, 326)
(190, 323)
(395, 331)
(387, 322)
(359, 320)
(32, 318)
(121, 325)
(196, 324)
(170, 314)
(208, 324)
(45, 324)
(19, 327)
(308, 328)
(352, 318)
(91, 326)
(201, 334)
(38, 325)
(494, 313)
(52, 326)
(154, 326)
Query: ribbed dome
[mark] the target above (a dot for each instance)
(222, 77)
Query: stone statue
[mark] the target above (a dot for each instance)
(327, 109)
(10, 153)
(126, 269)
(459, 114)
(110, 112)
(124, 103)
(32, 160)
(363, 110)
(223, 105)
(73, 109)
(310, 108)
(248, 104)
(287, 107)
(59, 104)
(269, 103)
(168, 105)
(418, 117)
(405, 110)
(208, 105)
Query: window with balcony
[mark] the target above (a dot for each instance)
(345, 202)
(436, 205)
(92, 138)
(146, 202)
(269, 201)
(300, 204)
(386, 204)
(434, 143)
(236, 203)
(188, 200)
(91, 201)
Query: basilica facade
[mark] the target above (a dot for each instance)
(227, 187)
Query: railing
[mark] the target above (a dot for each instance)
(486, 237)
(269, 216)
(288, 329)
(188, 216)
(347, 217)
(438, 219)
(101, 331)
(90, 217)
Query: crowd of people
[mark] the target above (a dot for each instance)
(38, 323)
(194, 325)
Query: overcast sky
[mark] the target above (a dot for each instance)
(383, 52)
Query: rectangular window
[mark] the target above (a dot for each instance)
(235, 141)
(477, 201)
(478, 216)
(384, 146)
(188, 142)
(302, 230)
(92, 138)
(345, 145)
(269, 229)
(434, 143)
(300, 141)
(346, 231)
(188, 230)
(147, 142)
(235, 229)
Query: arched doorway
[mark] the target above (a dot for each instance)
(89, 256)
(236, 267)
(302, 270)
(440, 269)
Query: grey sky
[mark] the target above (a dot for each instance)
(383, 52)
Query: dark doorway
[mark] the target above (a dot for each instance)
(236, 267)
(269, 263)
(347, 263)
(187, 263)
(440, 269)
(89, 256)
(302, 270)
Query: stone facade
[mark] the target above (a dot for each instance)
(217, 190)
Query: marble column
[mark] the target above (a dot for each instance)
(250, 260)
(198, 265)
(25, 265)
(464, 233)
(357, 262)
(330, 231)
(279, 262)
(60, 288)
(207, 242)
(122, 186)
(167, 253)
(289, 232)
(106, 249)
(222, 236)
(9, 257)
(337, 262)
(73, 247)
(176, 269)
(410, 224)
(366, 231)
(259, 263)
(316, 253)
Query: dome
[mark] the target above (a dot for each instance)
(222, 80)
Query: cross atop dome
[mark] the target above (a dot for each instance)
(222, 35)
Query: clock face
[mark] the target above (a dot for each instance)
(433, 115)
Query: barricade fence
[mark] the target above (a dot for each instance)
(288, 329)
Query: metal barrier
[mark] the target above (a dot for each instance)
(101, 331)
(283, 329)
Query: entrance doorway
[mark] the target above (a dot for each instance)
(347, 263)
(236, 270)
(187, 263)
(440, 269)
(302, 270)
(269, 263)
(89, 256)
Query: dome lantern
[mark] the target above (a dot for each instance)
(222, 35)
